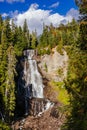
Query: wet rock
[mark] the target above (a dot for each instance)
(49, 120)
(37, 105)
(54, 113)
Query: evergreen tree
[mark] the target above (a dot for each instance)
(25, 34)
(76, 86)
(10, 84)
(44, 37)
(82, 4)
(76, 83)
(34, 41)
(8, 30)
(3, 63)
(18, 41)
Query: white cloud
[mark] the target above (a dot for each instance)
(11, 14)
(34, 6)
(54, 5)
(11, 1)
(73, 13)
(14, 14)
(4, 15)
(36, 17)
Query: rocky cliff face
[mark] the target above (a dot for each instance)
(54, 66)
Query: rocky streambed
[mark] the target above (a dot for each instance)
(51, 119)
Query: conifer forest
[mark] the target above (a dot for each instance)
(71, 37)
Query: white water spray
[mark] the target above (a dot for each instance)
(32, 75)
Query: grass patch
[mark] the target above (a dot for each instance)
(63, 96)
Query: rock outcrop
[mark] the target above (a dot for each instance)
(51, 119)
(54, 66)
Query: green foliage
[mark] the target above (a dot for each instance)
(63, 96)
(76, 83)
(13, 40)
(82, 4)
(60, 49)
(34, 40)
(61, 36)
(4, 126)
(76, 86)
(10, 83)
(44, 51)
(60, 72)
(82, 41)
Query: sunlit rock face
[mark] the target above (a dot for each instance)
(54, 66)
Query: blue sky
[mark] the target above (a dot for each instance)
(38, 12)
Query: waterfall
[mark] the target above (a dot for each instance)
(32, 75)
(30, 87)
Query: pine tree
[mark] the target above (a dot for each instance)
(8, 30)
(25, 34)
(18, 41)
(7, 71)
(82, 4)
(10, 83)
(44, 37)
(76, 83)
(34, 41)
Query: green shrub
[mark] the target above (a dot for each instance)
(4, 126)
(63, 96)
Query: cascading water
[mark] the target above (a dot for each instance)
(30, 86)
(32, 75)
